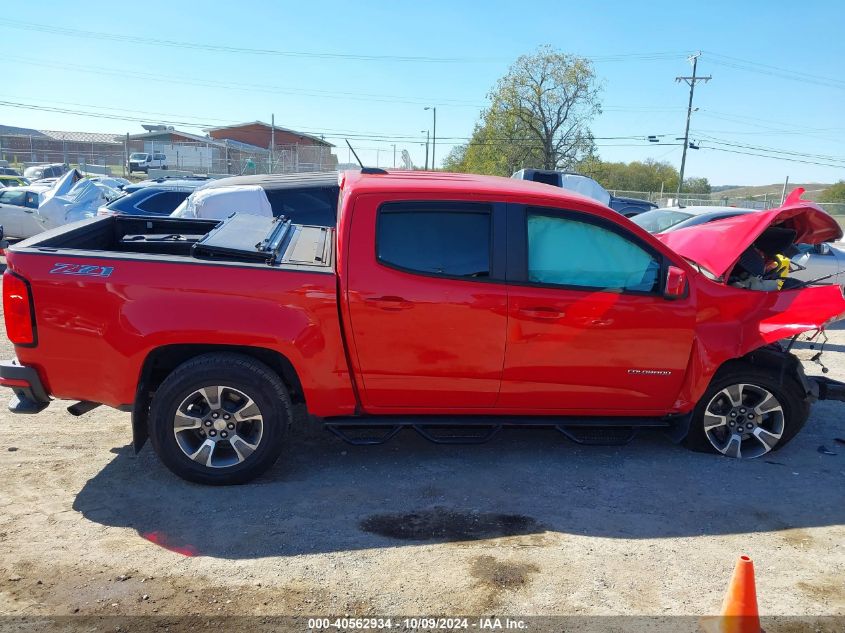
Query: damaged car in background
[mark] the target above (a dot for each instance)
(27, 211)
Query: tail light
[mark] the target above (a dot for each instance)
(18, 310)
(105, 211)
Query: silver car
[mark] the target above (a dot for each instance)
(824, 262)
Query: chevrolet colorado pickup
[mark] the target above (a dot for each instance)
(437, 301)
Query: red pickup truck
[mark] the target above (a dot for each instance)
(438, 301)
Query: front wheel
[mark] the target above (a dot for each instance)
(747, 412)
(220, 419)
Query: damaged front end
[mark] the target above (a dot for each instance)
(754, 308)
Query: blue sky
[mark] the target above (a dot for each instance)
(794, 105)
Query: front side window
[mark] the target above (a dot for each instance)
(444, 240)
(569, 252)
(31, 200)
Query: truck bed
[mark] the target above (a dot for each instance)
(110, 291)
(241, 239)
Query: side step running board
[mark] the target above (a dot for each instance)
(594, 436)
(369, 431)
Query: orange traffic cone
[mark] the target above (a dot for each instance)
(739, 608)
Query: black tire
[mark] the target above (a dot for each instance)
(787, 391)
(240, 376)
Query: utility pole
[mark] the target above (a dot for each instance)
(394, 155)
(426, 147)
(433, 135)
(783, 193)
(691, 81)
(272, 140)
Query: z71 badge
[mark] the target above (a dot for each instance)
(81, 269)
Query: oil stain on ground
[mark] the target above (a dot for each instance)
(442, 524)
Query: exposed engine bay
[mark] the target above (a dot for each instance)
(765, 265)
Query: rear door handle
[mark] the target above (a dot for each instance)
(391, 303)
(542, 312)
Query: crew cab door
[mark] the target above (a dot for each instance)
(426, 313)
(589, 328)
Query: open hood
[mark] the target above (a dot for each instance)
(718, 245)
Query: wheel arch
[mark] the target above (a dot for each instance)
(161, 361)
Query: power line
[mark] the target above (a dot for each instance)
(773, 150)
(774, 71)
(781, 158)
(246, 87)
(371, 136)
(159, 42)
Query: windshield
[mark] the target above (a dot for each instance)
(658, 220)
(138, 156)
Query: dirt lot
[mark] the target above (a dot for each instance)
(527, 524)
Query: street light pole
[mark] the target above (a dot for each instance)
(433, 136)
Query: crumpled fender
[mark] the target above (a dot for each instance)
(733, 322)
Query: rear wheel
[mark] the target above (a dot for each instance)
(747, 412)
(220, 419)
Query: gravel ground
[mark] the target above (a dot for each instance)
(528, 524)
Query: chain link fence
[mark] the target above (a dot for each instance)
(764, 201)
(22, 151)
(214, 157)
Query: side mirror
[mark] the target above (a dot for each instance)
(676, 283)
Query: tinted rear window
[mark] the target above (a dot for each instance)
(317, 205)
(442, 241)
(163, 202)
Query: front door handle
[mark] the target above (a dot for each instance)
(391, 303)
(542, 312)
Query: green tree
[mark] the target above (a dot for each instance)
(697, 185)
(834, 193)
(539, 116)
(648, 175)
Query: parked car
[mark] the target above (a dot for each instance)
(438, 299)
(144, 161)
(810, 262)
(135, 186)
(586, 186)
(306, 198)
(157, 199)
(114, 182)
(8, 171)
(18, 206)
(12, 181)
(37, 172)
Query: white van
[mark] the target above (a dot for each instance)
(144, 161)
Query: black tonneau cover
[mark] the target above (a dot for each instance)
(240, 238)
(246, 237)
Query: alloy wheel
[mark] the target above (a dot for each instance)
(218, 426)
(744, 421)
